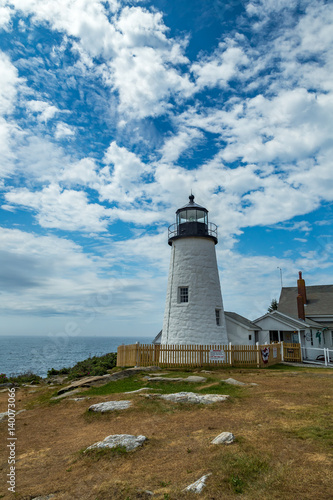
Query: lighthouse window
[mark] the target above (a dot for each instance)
(218, 317)
(201, 216)
(183, 294)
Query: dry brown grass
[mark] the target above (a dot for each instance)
(282, 449)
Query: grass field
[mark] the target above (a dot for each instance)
(283, 448)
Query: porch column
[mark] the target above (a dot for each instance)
(300, 344)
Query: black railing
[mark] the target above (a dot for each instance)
(176, 230)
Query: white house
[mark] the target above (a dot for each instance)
(241, 331)
(304, 315)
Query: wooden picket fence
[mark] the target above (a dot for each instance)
(292, 352)
(191, 356)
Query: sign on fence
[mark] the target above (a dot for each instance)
(217, 355)
(274, 352)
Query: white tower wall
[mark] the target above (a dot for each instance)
(193, 265)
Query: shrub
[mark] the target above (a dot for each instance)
(25, 378)
(97, 365)
(3, 378)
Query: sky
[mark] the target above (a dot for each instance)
(111, 112)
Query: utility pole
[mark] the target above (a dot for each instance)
(280, 276)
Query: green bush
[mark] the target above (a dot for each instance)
(97, 365)
(25, 378)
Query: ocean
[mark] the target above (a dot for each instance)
(21, 354)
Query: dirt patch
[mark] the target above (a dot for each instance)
(263, 463)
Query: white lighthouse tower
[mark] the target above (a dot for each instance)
(194, 309)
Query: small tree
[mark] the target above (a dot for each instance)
(273, 306)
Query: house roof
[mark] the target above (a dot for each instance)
(243, 321)
(319, 301)
(157, 339)
(293, 323)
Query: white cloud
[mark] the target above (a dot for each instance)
(123, 178)
(82, 173)
(62, 209)
(140, 61)
(5, 18)
(47, 276)
(221, 67)
(175, 145)
(63, 130)
(9, 82)
(46, 111)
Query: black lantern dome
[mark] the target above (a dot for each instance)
(192, 220)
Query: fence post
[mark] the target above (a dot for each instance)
(137, 353)
(258, 358)
(282, 353)
(326, 355)
(230, 354)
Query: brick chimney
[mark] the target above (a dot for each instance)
(300, 307)
(301, 287)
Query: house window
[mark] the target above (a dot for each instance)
(311, 337)
(183, 294)
(218, 317)
(331, 337)
(250, 337)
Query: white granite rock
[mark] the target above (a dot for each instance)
(192, 397)
(232, 381)
(195, 378)
(110, 406)
(127, 440)
(138, 390)
(224, 438)
(3, 416)
(199, 485)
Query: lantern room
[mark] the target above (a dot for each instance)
(192, 220)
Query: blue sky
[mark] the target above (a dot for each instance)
(112, 112)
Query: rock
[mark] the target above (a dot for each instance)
(110, 406)
(196, 378)
(127, 440)
(4, 416)
(138, 390)
(232, 381)
(224, 438)
(164, 379)
(66, 394)
(199, 485)
(104, 379)
(192, 397)
(78, 399)
(159, 374)
(7, 384)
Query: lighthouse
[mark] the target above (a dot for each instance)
(194, 311)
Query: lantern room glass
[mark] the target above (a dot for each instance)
(192, 215)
